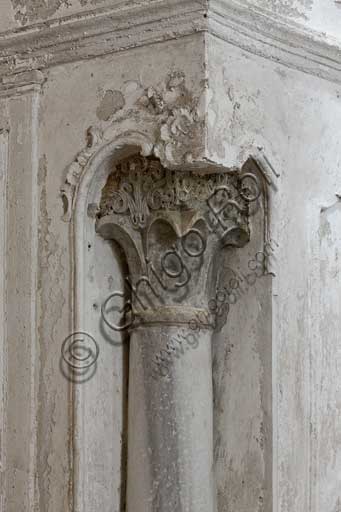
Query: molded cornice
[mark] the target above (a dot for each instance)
(21, 83)
(98, 33)
(258, 31)
(103, 31)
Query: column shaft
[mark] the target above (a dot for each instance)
(170, 436)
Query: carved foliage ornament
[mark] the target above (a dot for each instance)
(171, 225)
(139, 186)
(169, 116)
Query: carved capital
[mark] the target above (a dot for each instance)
(172, 226)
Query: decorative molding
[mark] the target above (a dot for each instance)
(104, 31)
(76, 168)
(140, 186)
(174, 129)
(98, 32)
(21, 83)
(258, 31)
(147, 145)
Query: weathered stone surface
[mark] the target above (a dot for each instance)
(312, 14)
(172, 226)
(260, 88)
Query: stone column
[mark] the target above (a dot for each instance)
(172, 226)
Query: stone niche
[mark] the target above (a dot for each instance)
(155, 256)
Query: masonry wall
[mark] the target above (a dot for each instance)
(277, 359)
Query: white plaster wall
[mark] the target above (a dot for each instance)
(295, 118)
(322, 16)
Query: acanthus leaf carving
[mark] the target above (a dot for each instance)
(171, 224)
(139, 186)
(168, 114)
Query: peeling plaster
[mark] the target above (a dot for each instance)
(27, 11)
(176, 115)
(112, 102)
(32, 11)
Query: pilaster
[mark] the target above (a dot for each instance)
(20, 286)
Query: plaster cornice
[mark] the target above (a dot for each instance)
(258, 31)
(104, 31)
(98, 33)
(21, 83)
